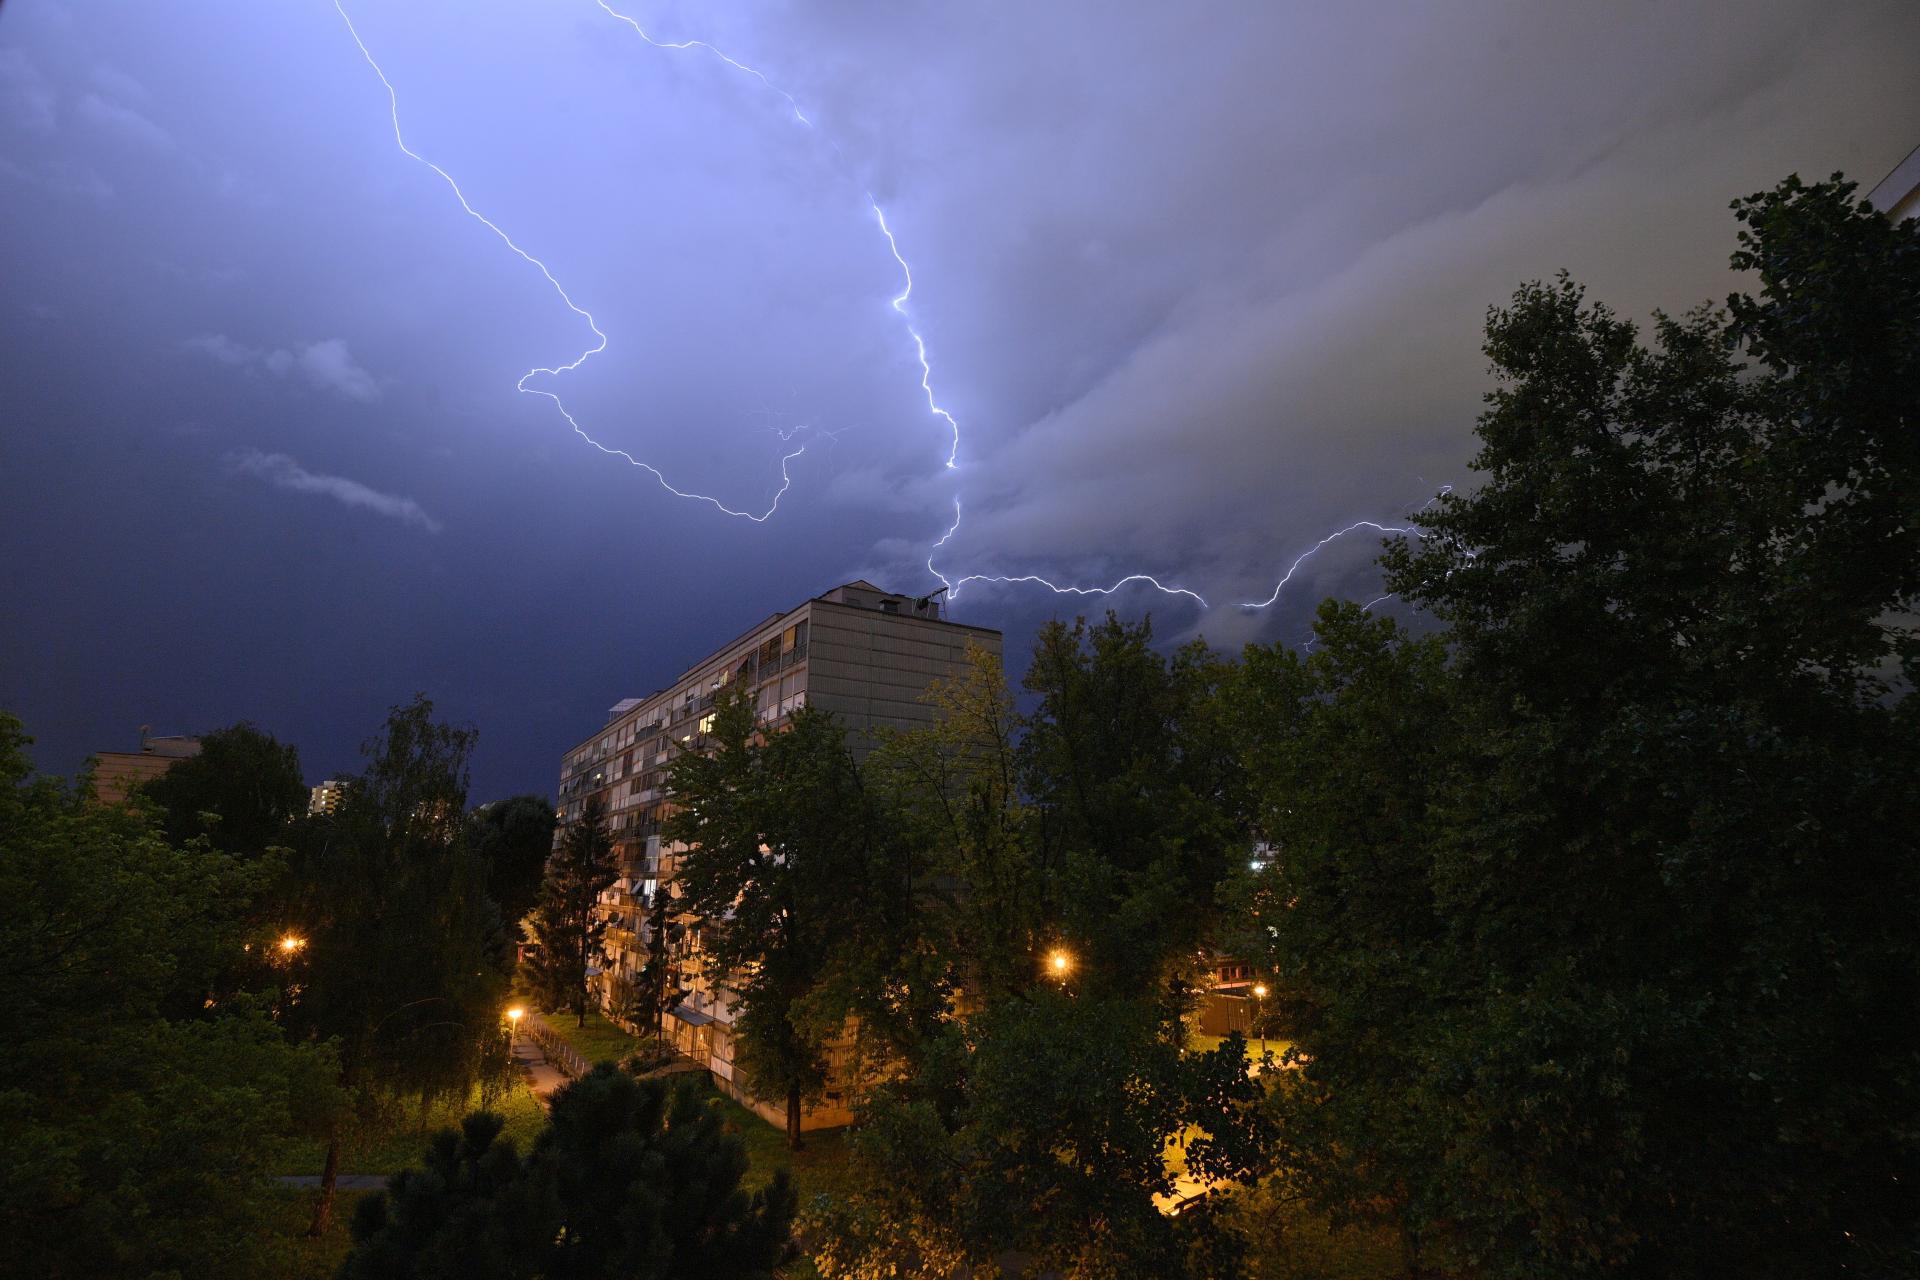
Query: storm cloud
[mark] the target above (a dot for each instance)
(1200, 283)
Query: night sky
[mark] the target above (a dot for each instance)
(1201, 284)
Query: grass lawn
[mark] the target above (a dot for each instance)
(820, 1168)
(399, 1144)
(1198, 1043)
(598, 1041)
(299, 1258)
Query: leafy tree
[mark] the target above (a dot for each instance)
(244, 792)
(1139, 798)
(567, 924)
(1035, 1114)
(405, 963)
(1600, 916)
(974, 913)
(631, 1179)
(140, 1141)
(781, 847)
(514, 837)
(1039, 1128)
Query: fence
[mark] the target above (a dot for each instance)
(555, 1046)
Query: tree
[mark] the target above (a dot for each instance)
(514, 837)
(1035, 1112)
(1600, 908)
(405, 965)
(1139, 797)
(567, 925)
(655, 992)
(631, 1179)
(244, 792)
(973, 910)
(781, 849)
(140, 1141)
(244, 795)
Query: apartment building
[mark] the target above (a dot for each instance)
(863, 653)
(325, 799)
(115, 774)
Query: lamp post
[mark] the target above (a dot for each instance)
(1259, 1014)
(513, 1025)
(1059, 963)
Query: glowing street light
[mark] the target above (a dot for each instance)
(1059, 963)
(1260, 994)
(513, 1024)
(291, 943)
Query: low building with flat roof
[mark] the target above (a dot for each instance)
(115, 774)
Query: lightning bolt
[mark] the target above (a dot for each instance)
(900, 305)
(893, 246)
(1308, 553)
(599, 343)
(919, 343)
(1443, 491)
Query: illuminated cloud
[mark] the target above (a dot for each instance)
(326, 365)
(283, 472)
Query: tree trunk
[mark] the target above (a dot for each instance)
(793, 1117)
(329, 1174)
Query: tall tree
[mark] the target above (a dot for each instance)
(244, 792)
(631, 1179)
(566, 924)
(405, 964)
(1073, 857)
(780, 840)
(655, 990)
(1139, 795)
(1601, 916)
(244, 795)
(973, 913)
(141, 1139)
(514, 837)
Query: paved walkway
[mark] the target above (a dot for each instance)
(344, 1182)
(541, 1075)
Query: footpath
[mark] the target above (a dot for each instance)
(545, 1059)
(530, 1059)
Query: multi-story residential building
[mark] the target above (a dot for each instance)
(116, 773)
(866, 655)
(326, 798)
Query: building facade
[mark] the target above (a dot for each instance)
(324, 800)
(115, 774)
(864, 654)
(1898, 194)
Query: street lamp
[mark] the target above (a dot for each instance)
(291, 943)
(513, 1025)
(1059, 962)
(1260, 994)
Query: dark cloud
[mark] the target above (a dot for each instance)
(1201, 283)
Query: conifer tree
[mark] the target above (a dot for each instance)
(566, 922)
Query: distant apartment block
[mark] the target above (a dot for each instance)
(325, 799)
(865, 654)
(117, 773)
